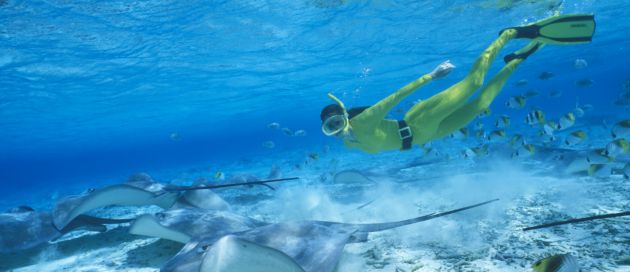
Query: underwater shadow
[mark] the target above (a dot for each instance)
(153, 255)
(62, 249)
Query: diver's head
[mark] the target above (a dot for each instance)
(334, 120)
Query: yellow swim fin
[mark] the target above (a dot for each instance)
(563, 29)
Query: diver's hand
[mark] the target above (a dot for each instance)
(442, 70)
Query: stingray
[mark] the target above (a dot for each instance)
(23, 228)
(181, 225)
(352, 177)
(303, 246)
(141, 190)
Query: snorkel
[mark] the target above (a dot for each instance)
(336, 124)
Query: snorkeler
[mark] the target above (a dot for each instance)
(367, 129)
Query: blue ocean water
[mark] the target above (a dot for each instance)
(92, 91)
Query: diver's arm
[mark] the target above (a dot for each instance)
(380, 109)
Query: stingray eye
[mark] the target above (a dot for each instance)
(204, 247)
(91, 190)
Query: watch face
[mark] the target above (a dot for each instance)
(404, 132)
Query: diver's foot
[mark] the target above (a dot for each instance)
(512, 32)
(521, 32)
(523, 53)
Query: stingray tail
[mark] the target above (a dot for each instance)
(577, 220)
(391, 225)
(250, 184)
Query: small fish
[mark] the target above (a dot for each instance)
(545, 137)
(555, 93)
(502, 122)
(480, 134)
(431, 152)
(550, 127)
(531, 93)
(287, 131)
(584, 82)
(557, 263)
(460, 134)
(521, 82)
(524, 151)
(626, 171)
(174, 136)
(566, 121)
(621, 129)
(478, 126)
(617, 147)
(516, 102)
(275, 172)
(273, 125)
(300, 133)
(313, 156)
(475, 151)
(600, 170)
(545, 75)
(219, 175)
(579, 112)
(580, 64)
(485, 113)
(268, 144)
(535, 117)
(575, 137)
(517, 140)
(598, 156)
(496, 135)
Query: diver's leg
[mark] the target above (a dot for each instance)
(444, 103)
(466, 113)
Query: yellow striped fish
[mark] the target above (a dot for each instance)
(496, 135)
(575, 137)
(557, 263)
(617, 147)
(566, 121)
(502, 122)
(535, 117)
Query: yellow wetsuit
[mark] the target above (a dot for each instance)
(437, 116)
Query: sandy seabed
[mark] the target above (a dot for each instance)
(488, 238)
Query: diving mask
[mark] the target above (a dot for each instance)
(334, 124)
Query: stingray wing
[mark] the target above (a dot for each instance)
(24, 230)
(182, 224)
(233, 254)
(69, 208)
(313, 246)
